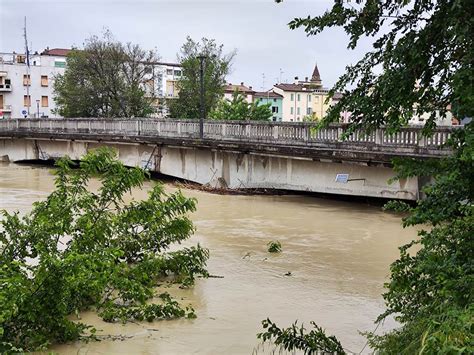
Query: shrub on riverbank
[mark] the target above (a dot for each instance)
(79, 250)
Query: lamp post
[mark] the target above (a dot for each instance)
(37, 108)
(202, 107)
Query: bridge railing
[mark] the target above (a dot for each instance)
(288, 133)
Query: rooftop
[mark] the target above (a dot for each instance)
(270, 94)
(307, 87)
(57, 52)
(230, 88)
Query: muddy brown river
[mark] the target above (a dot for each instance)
(338, 254)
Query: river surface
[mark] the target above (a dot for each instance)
(338, 254)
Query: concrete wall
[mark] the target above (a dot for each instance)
(229, 169)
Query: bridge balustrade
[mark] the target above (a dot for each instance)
(270, 132)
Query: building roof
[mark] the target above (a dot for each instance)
(57, 52)
(168, 64)
(230, 88)
(269, 94)
(292, 87)
(316, 76)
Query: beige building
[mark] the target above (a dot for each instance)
(242, 89)
(303, 98)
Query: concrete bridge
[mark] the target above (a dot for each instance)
(236, 154)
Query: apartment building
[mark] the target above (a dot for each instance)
(164, 86)
(306, 98)
(246, 91)
(27, 90)
(275, 100)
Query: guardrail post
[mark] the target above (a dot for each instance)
(379, 136)
(275, 132)
(340, 132)
(422, 141)
(178, 128)
(247, 130)
(223, 130)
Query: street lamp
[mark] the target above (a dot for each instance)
(38, 108)
(203, 109)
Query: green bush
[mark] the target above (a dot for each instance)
(81, 250)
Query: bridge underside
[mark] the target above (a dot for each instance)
(225, 168)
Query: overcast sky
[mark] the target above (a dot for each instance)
(257, 29)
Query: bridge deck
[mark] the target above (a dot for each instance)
(290, 139)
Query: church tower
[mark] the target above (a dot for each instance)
(316, 78)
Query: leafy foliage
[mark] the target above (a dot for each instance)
(295, 338)
(274, 247)
(239, 109)
(217, 65)
(431, 291)
(425, 53)
(106, 79)
(421, 62)
(81, 249)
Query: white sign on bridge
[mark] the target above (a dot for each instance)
(342, 178)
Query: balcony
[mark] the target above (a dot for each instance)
(6, 108)
(5, 87)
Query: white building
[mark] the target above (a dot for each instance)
(164, 87)
(246, 91)
(28, 91)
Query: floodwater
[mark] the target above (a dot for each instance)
(338, 254)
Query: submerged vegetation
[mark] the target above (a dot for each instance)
(274, 247)
(296, 338)
(80, 250)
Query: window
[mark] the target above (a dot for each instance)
(291, 110)
(60, 64)
(299, 97)
(44, 101)
(26, 100)
(177, 72)
(274, 100)
(298, 111)
(292, 97)
(309, 111)
(44, 80)
(169, 71)
(309, 97)
(20, 58)
(274, 109)
(26, 80)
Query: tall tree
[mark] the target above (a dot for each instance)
(422, 62)
(217, 65)
(106, 79)
(239, 109)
